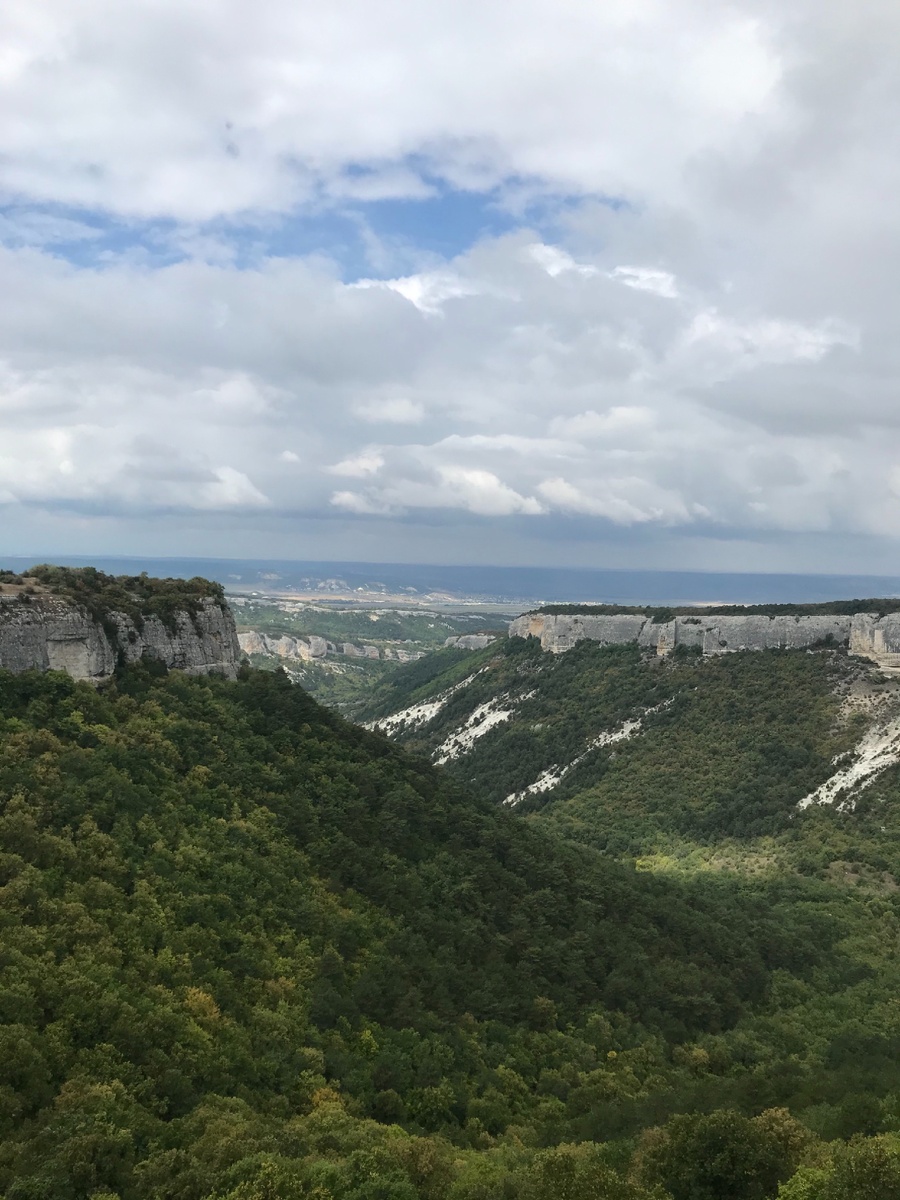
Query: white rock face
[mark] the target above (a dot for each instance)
(471, 641)
(52, 635)
(476, 725)
(877, 638)
(878, 749)
(418, 715)
(866, 634)
(549, 779)
(404, 656)
(311, 647)
(252, 642)
(353, 651)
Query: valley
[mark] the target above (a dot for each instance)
(339, 651)
(592, 924)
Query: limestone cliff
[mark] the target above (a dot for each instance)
(471, 641)
(866, 634)
(51, 633)
(314, 649)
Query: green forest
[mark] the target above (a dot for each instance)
(254, 951)
(251, 951)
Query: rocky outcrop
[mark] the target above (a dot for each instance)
(396, 654)
(312, 648)
(866, 634)
(51, 634)
(471, 641)
(354, 651)
(877, 638)
(304, 649)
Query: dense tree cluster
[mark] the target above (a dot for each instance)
(251, 952)
(137, 596)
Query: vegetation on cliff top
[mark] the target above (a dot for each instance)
(827, 608)
(137, 596)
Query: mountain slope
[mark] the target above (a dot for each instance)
(250, 951)
(617, 746)
(216, 889)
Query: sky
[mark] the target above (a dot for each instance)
(550, 282)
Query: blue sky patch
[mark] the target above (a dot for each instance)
(379, 238)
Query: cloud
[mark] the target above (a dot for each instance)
(482, 492)
(204, 110)
(27, 228)
(369, 462)
(624, 501)
(123, 389)
(688, 332)
(428, 291)
(647, 279)
(396, 410)
(229, 489)
(556, 261)
(617, 422)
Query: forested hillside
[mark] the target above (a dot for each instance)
(251, 951)
(624, 749)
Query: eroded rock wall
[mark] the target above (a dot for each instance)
(49, 634)
(867, 634)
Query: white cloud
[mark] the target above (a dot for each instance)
(646, 279)
(624, 501)
(767, 340)
(705, 341)
(229, 489)
(482, 492)
(43, 229)
(193, 111)
(556, 261)
(123, 390)
(396, 410)
(428, 291)
(369, 462)
(616, 422)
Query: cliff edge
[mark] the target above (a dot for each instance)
(867, 634)
(86, 623)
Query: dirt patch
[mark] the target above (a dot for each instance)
(21, 585)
